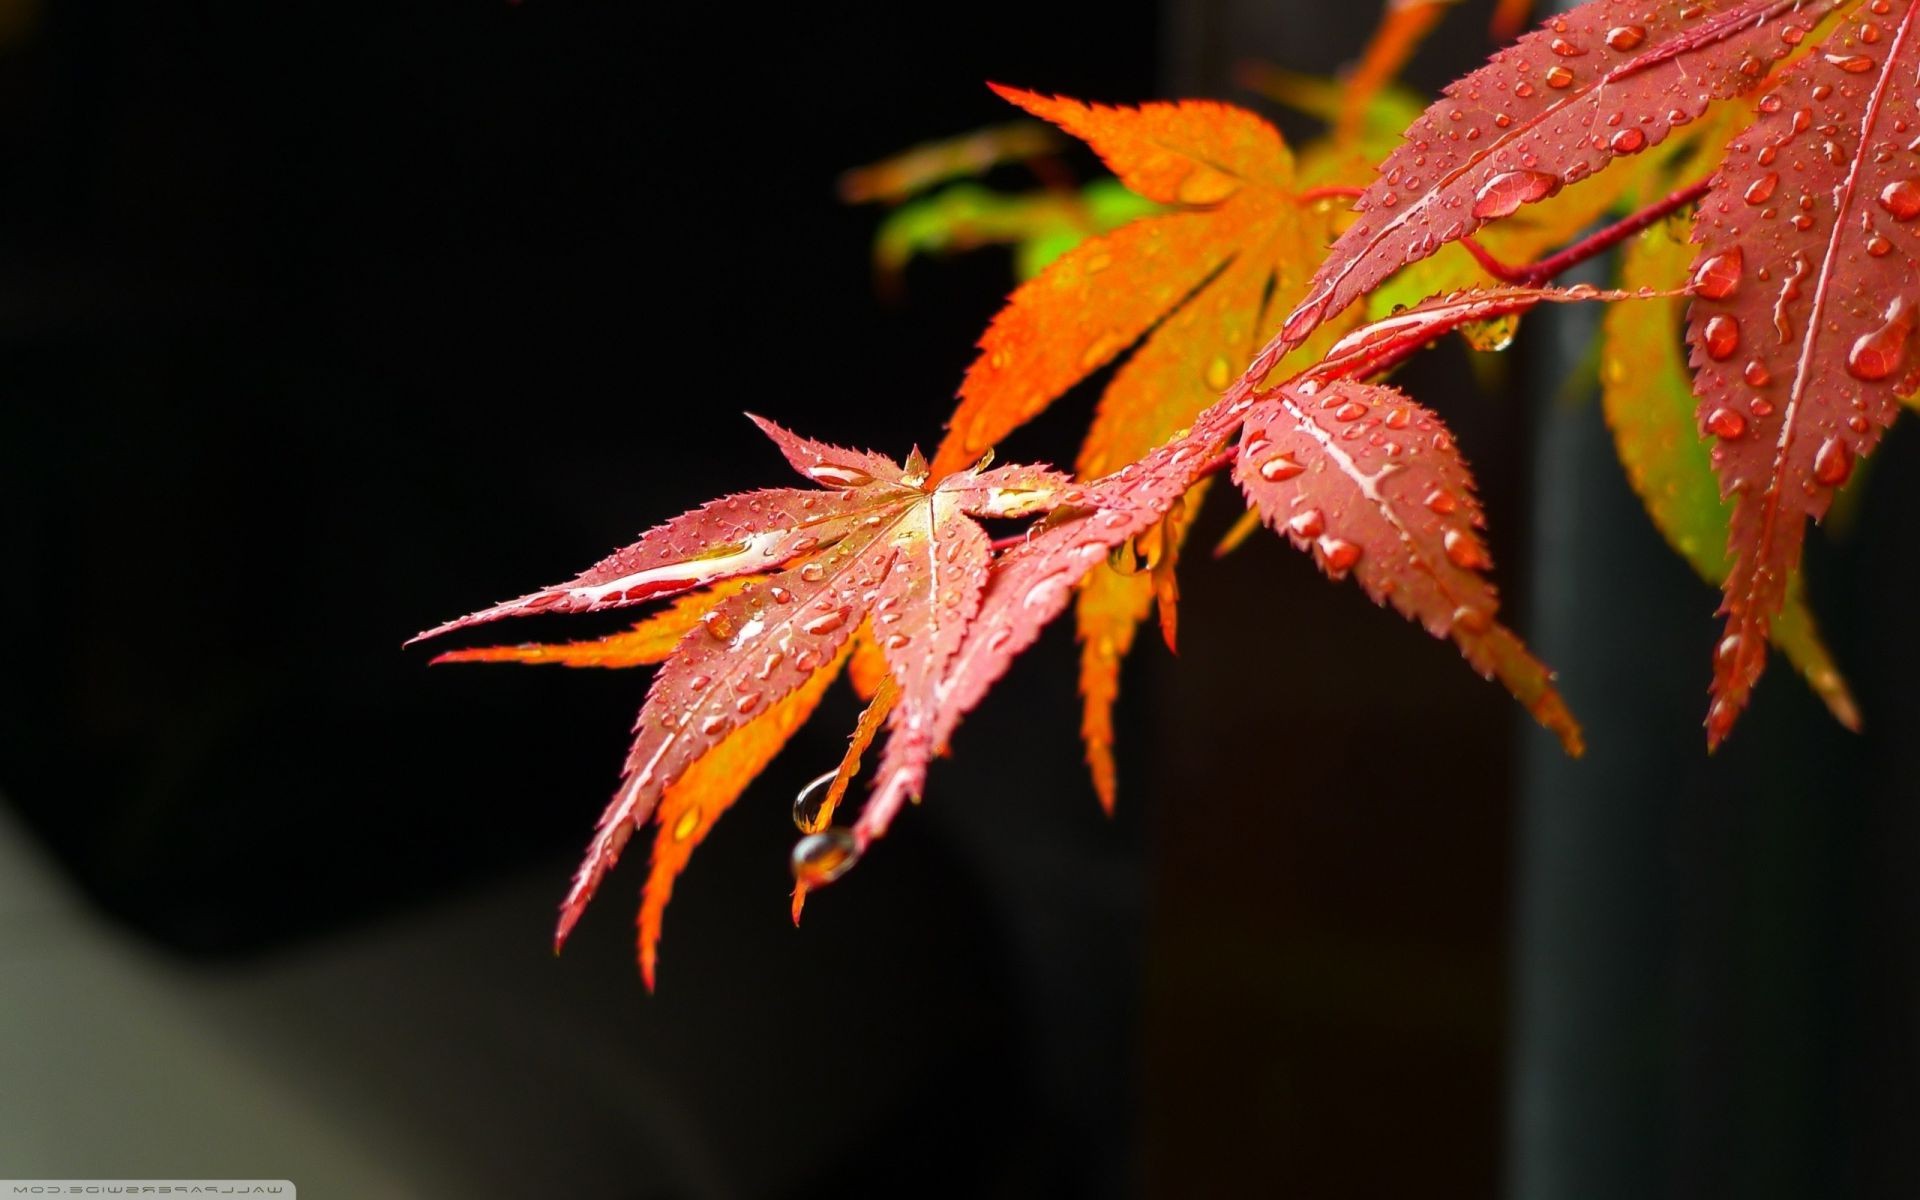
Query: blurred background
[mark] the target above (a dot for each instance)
(319, 324)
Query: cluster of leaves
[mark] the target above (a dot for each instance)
(1784, 125)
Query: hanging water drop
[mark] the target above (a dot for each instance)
(808, 807)
(820, 858)
(1494, 334)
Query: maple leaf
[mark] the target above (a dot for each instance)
(1040, 225)
(1030, 585)
(1804, 308)
(1371, 484)
(1541, 114)
(899, 176)
(881, 546)
(648, 642)
(1646, 393)
(1199, 283)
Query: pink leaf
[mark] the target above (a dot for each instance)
(1371, 485)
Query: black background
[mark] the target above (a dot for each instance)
(325, 323)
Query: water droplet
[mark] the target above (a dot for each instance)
(1761, 189)
(1627, 141)
(1465, 551)
(1625, 37)
(1280, 467)
(747, 703)
(1352, 410)
(1721, 337)
(1726, 424)
(825, 622)
(717, 623)
(1719, 275)
(807, 814)
(1441, 502)
(1770, 103)
(820, 858)
(1756, 374)
(688, 822)
(1902, 199)
(1558, 76)
(1494, 334)
(1472, 620)
(1853, 64)
(836, 475)
(1507, 191)
(1338, 553)
(1880, 353)
(1832, 463)
(813, 572)
(1565, 48)
(1204, 185)
(1306, 524)
(1879, 247)
(1101, 349)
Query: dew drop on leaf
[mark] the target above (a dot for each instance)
(1465, 551)
(1503, 194)
(1721, 337)
(1832, 463)
(1625, 37)
(1902, 199)
(1726, 424)
(1339, 553)
(834, 475)
(1880, 353)
(1720, 275)
(1279, 468)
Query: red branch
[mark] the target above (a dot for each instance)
(1587, 247)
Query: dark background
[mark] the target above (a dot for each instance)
(325, 323)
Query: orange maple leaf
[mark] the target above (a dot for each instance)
(1201, 283)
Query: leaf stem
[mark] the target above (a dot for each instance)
(1595, 243)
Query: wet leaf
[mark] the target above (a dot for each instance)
(1646, 393)
(1372, 486)
(1805, 294)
